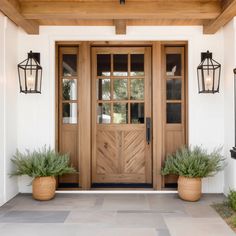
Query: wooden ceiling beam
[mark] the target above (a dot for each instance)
(226, 15)
(52, 22)
(11, 8)
(99, 10)
(120, 26)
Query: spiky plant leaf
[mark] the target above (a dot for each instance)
(41, 163)
(194, 162)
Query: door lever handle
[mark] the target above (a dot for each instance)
(148, 130)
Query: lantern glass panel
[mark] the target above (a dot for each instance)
(209, 79)
(200, 80)
(31, 80)
(22, 79)
(39, 82)
(217, 79)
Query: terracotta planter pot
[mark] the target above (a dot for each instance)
(190, 189)
(44, 188)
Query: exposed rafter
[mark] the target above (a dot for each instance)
(11, 8)
(120, 26)
(227, 14)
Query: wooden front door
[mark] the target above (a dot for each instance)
(121, 115)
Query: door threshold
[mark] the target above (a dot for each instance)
(117, 191)
(122, 185)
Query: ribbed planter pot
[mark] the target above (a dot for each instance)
(189, 189)
(44, 188)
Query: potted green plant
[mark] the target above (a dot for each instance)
(42, 165)
(191, 165)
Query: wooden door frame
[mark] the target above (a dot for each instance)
(85, 131)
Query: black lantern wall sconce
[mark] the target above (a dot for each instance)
(233, 150)
(30, 74)
(208, 73)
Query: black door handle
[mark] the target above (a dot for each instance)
(148, 130)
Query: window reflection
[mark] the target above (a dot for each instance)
(103, 64)
(120, 113)
(137, 65)
(120, 89)
(69, 90)
(173, 111)
(69, 113)
(173, 64)
(137, 113)
(137, 89)
(120, 64)
(173, 89)
(103, 89)
(69, 64)
(103, 113)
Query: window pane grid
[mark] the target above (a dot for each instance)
(174, 88)
(68, 84)
(124, 89)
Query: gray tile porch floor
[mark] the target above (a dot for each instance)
(112, 214)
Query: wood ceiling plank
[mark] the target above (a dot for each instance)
(11, 8)
(113, 10)
(227, 14)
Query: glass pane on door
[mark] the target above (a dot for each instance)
(120, 65)
(173, 112)
(120, 91)
(69, 113)
(103, 64)
(137, 113)
(104, 113)
(173, 89)
(137, 89)
(69, 89)
(120, 113)
(103, 89)
(137, 65)
(173, 64)
(69, 65)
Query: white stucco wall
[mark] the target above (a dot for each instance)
(36, 113)
(8, 107)
(229, 65)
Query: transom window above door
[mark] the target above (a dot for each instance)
(120, 88)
